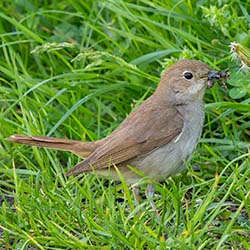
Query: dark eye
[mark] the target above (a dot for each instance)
(187, 75)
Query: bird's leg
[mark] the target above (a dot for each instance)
(135, 190)
(150, 191)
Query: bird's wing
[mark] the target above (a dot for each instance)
(144, 130)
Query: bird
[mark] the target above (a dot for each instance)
(157, 138)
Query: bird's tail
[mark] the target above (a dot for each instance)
(82, 149)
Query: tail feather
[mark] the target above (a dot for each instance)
(82, 149)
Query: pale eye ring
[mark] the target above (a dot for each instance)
(187, 75)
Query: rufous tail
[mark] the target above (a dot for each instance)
(82, 149)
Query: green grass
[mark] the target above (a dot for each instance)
(76, 69)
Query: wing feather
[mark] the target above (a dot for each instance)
(144, 130)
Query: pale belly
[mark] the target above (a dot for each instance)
(169, 159)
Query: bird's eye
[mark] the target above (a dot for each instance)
(187, 75)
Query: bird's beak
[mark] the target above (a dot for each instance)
(216, 75)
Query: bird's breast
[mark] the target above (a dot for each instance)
(170, 159)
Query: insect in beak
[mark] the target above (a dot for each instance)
(221, 76)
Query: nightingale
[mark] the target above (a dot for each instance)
(157, 138)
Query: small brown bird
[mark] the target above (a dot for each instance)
(157, 138)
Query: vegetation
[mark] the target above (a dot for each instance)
(76, 69)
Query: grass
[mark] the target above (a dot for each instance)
(76, 69)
